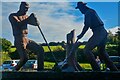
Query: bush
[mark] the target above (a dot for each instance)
(112, 50)
(80, 56)
(14, 55)
(4, 57)
(59, 55)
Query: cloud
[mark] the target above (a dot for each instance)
(56, 19)
(113, 30)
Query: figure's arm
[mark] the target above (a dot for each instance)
(14, 20)
(32, 20)
(87, 24)
(85, 28)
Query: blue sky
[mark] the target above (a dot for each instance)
(59, 18)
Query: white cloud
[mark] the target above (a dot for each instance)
(113, 30)
(55, 21)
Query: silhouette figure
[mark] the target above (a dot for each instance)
(98, 60)
(98, 39)
(19, 21)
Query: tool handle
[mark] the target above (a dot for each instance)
(47, 43)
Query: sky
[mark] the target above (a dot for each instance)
(57, 19)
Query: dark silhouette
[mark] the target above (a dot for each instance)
(19, 23)
(98, 39)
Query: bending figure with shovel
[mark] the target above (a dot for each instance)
(98, 39)
(19, 23)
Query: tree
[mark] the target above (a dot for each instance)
(115, 40)
(110, 37)
(118, 34)
(0, 44)
(6, 45)
(14, 55)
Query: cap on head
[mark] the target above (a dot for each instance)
(79, 4)
(24, 4)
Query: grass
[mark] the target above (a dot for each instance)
(44, 47)
(86, 66)
(59, 47)
(81, 46)
(50, 65)
(53, 48)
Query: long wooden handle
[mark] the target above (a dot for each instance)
(47, 43)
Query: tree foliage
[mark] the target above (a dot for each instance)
(14, 55)
(118, 34)
(114, 39)
(6, 45)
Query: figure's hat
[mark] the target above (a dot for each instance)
(79, 4)
(25, 4)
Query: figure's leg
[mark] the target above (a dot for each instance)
(22, 54)
(39, 51)
(91, 44)
(79, 68)
(104, 55)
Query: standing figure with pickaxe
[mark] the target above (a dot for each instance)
(98, 39)
(19, 23)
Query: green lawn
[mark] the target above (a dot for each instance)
(81, 46)
(86, 66)
(44, 47)
(53, 48)
(50, 65)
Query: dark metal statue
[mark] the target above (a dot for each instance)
(19, 22)
(98, 39)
